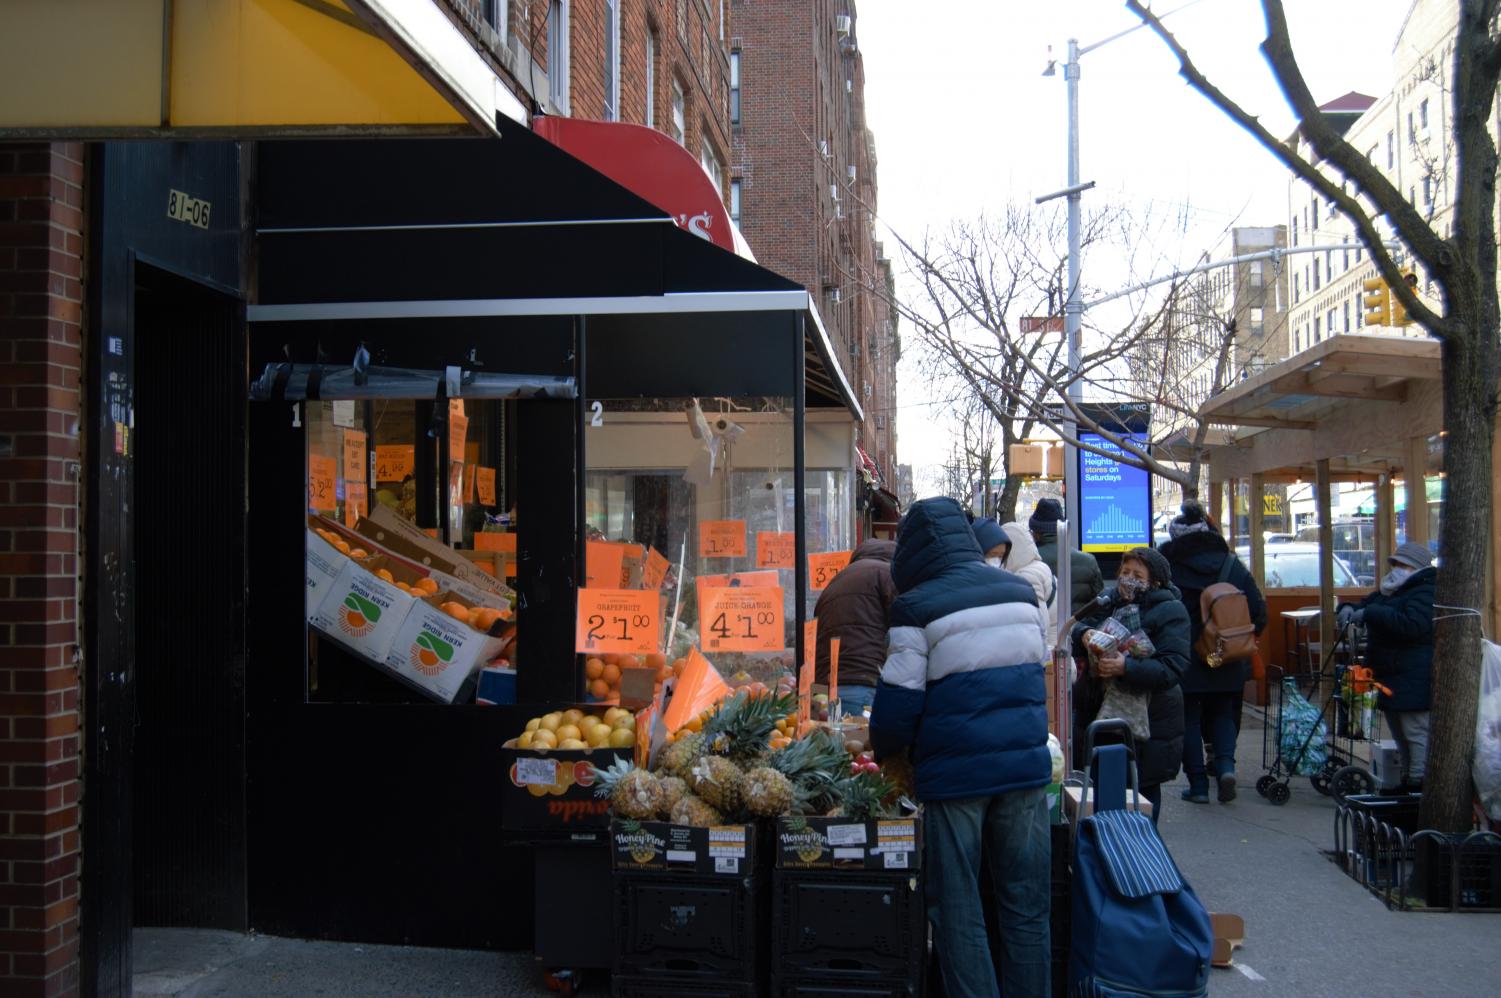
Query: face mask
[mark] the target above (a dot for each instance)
(993, 562)
(1130, 587)
(1394, 579)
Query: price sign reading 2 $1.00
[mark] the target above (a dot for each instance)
(741, 619)
(618, 622)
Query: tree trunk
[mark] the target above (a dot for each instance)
(1005, 507)
(1469, 416)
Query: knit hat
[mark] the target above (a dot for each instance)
(989, 533)
(1158, 568)
(1191, 521)
(1044, 521)
(1412, 555)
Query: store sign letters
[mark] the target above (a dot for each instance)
(618, 621)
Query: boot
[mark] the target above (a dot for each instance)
(1197, 791)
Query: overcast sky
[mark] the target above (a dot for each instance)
(965, 122)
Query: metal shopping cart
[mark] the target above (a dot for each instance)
(1319, 741)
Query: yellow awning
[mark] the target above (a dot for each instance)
(108, 68)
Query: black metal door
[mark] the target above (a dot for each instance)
(189, 541)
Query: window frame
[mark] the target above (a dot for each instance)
(612, 59)
(558, 54)
(678, 119)
(735, 87)
(651, 76)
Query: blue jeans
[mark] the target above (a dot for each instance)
(1012, 830)
(856, 698)
(1218, 710)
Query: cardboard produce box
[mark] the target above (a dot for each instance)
(389, 530)
(662, 847)
(552, 790)
(811, 843)
(324, 563)
(1073, 793)
(438, 652)
(363, 611)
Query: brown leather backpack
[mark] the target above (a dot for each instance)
(1229, 635)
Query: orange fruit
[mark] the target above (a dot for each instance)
(628, 662)
(655, 660)
(403, 587)
(598, 688)
(482, 618)
(611, 674)
(664, 674)
(678, 665)
(457, 611)
(341, 545)
(593, 668)
(426, 584)
(359, 554)
(385, 573)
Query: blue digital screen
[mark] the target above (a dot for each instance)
(1115, 499)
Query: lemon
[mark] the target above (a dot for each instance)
(525, 741)
(543, 738)
(568, 732)
(613, 713)
(572, 716)
(572, 743)
(622, 738)
(598, 736)
(627, 723)
(551, 721)
(534, 724)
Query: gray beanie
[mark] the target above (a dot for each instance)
(1415, 556)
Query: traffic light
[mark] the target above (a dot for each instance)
(1398, 310)
(1377, 301)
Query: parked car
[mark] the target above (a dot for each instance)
(1354, 541)
(1295, 563)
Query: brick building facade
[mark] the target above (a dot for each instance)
(805, 187)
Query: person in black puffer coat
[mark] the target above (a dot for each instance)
(1399, 627)
(1145, 583)
(1211, 697)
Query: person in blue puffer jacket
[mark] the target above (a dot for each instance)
(963, 688)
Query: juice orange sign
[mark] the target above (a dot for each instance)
(394, 462)
(321, 472)
(618, 621)
(654, 571)
(354, 456)
(741, 619)
(484, 480)
(775, 549)
(721, 538)
(823, 567)
(749, 580)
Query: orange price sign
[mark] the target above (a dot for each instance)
(502, 544)
(805, 672)
(484, 480)
(458, 429)
(654, 571)
(721, 538)
(833, 668)
(823, 567)
(321, 472)
(354, 503)
(469, 477)
(394, 462)
(775, 549)
(741, 619)
(355, 466)
(618, 621)
(604, 564)
(697, 689)
(748, 580)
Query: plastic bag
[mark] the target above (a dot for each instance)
(1300, 719)
(1486, 768)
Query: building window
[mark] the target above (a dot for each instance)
(710, 160)
(1329, 322)
(679, 126)
(683, 19)
(557, 54)
(612, 60)
(1423, 114)
(496, 14)
(1412, 129)
(1348, 327)
(1318, 333)
(1428, 191)
(1317, 282)
(1331, 209)
(1344, 263)
(1257, 273)
(1298, 340)
(1258, 318)
(735, 87)
(1314, 212)
(721, 20)
(1295, 230)
(1391, 151)
(651, 78)
(1297, 289)
(735, 200)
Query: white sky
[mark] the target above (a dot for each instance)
(964, 121)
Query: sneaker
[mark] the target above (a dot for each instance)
(1227, 788)
(1196, 795)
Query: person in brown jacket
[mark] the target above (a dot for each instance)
(853, 609)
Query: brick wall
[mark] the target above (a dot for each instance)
(41, 306)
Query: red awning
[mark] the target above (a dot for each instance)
(652, 166)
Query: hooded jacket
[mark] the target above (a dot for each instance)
(1197, 559)
(963, 683)
(853, 609)
(1164, 619)
(1023, 561)
(1085, 579)
(1400, 641)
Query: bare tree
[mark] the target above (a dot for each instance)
(1464, 267)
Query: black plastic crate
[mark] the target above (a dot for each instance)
(683, 928)
(655, 987)
(803, 987)
(1479, 873)
(848, 925)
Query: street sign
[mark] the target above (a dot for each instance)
(1041, 324)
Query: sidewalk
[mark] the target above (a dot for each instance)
(1311, 931)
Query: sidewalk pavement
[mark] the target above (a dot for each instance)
(1311, 931)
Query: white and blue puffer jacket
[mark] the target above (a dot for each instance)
(963, 684)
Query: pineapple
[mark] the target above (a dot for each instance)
(718, 781)
(673, 790)
(677, 759)
(633, 793)
(814, 765)
(862, 797)
(690, 810)
(740, 730)
(767, 793)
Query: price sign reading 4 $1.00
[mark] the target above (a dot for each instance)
(618, 621)
(741, 619)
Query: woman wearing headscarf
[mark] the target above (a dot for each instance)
(1145, 600)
